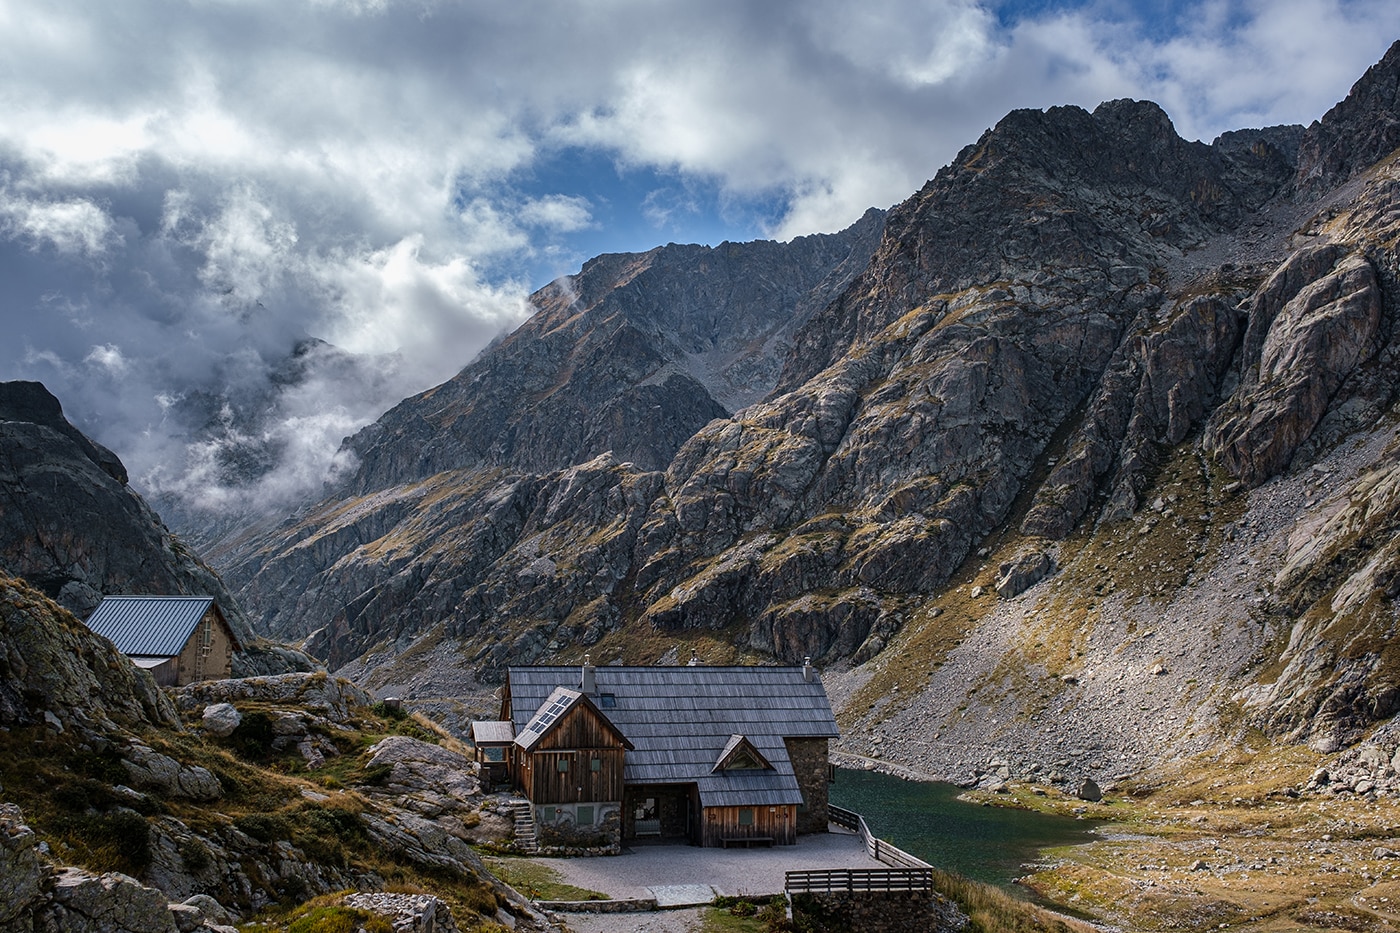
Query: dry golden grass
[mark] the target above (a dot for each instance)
(1218, 843)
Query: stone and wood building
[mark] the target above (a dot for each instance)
(713, 756)
(179, 639)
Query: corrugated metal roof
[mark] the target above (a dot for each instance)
(149, 626)
(681, 719)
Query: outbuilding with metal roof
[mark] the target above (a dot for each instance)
(179, 639)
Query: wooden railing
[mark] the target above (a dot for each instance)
(906, 874)
(858, 879)
(879, 849)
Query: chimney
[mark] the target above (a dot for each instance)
(588, 683)
(694, 658)
(808, 673)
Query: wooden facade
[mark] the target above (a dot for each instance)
(724, 756)
(756, 825)
(578, 760)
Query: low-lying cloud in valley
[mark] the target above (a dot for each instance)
(233, 233)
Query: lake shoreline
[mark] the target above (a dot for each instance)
(933, 820)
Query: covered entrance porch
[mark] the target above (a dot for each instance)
(661, 813)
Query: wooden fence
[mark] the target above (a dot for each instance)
(858, 879)
(908, 874)
(879, 849)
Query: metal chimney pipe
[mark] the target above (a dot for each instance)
(588, 681)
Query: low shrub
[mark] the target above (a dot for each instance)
(264, 827)
(252, 739)
(119, 840)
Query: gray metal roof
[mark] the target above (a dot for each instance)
(681, 719)
(149, 626)
(493, 733)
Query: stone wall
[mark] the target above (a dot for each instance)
(809, 763)
(875, 912)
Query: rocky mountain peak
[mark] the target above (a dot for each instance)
(1055, 193)
(1358, 132)
(632, 355)
(32, 403)
(1064, 372)
(71, 526)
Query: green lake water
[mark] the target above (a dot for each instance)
(987, 844)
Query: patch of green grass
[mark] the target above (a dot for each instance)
(991, 910)
(340, 920)
(724, 920)
(538, 882)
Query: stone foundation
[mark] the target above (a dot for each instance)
(875, 912)
(809, 764)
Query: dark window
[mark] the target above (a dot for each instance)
(563, 765)
(746, 816)
(595, 765)
(585, 816)
(607, 700)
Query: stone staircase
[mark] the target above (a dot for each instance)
(525, 839)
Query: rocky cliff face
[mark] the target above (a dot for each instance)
(70, 525)
(1079, 319)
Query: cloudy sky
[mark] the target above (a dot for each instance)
(189, 190)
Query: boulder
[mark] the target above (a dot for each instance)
(212, 910)
(22, 874)
(1089, 790)
(82, 902)
(220, 719)
(421, 768)
(152, 770)
(319, 693)
(1021, 573)
(421, 841)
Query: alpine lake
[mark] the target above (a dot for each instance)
(926, 819)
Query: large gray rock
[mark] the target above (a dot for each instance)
(209, 909)
(151, 770)
(421, 841)
(111, 903)
(220, 719)
(1021, 573)
(424, 769)
(23, 876)
(332, 697)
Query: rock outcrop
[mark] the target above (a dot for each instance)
(71, 526)
(156, 821)
(24, 877)
(53, 669)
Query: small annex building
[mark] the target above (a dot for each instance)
(179, 639)
(715, 756)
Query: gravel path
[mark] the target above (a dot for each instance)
(753, 872)
(728, 871)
